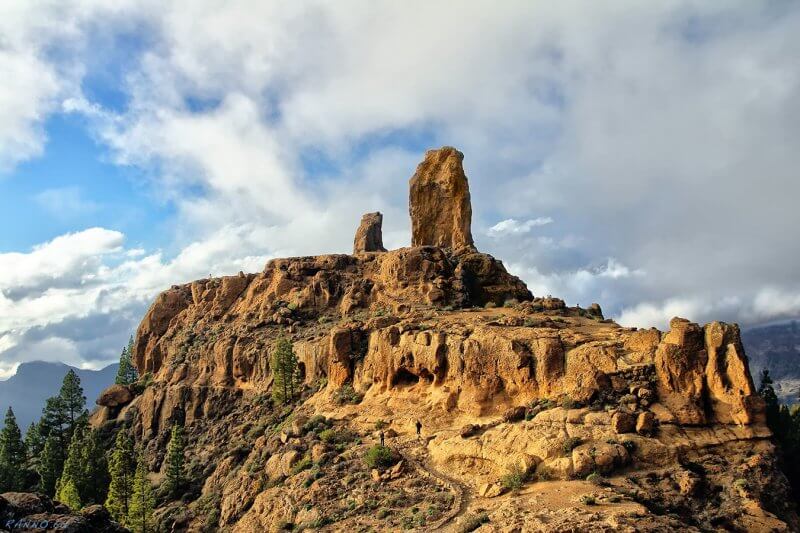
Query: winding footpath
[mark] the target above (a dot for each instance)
(416, 456)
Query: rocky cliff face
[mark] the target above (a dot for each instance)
(502, 382)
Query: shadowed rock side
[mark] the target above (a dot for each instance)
(501, 382)
(439, 202)
(369, 237)
(20, 511)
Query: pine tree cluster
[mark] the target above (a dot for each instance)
(63, 457)
(784, 422)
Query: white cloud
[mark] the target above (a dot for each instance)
(660, 135)
(512, 226)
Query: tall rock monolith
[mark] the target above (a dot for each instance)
(439, 201)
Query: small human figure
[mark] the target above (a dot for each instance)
(419, 428)
(381, 438)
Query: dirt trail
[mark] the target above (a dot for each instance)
(416, 454)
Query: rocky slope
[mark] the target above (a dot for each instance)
(535, 416)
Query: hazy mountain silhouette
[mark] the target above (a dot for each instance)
(34, 382)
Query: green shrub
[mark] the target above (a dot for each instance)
(328, 435)
(511, 302)
(544, 474)
(588, 500)
(254, 432)
(380, 424)
(569, 444)
(292, 306)
(569, 403)
(380, 457)
(596, 479)
(144, 381)
(347, 394)
(302, 464)
(490, 305)
(473, 522)
(514, 480)
(316, 423)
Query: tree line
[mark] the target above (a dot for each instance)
(784, 422)
(63, 457)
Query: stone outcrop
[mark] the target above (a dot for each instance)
(439, 201)
(115, 396)
(369, 235)
(704, 376)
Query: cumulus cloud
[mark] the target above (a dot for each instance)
(661, 137)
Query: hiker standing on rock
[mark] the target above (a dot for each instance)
(381, 438)
(419, 429)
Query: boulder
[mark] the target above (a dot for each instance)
(646, 423)
(439, 201)
(514, 414)
(490, 490)
(369, 236)
(288, 460)
(469, 430)
(115, 396)
(623, 422)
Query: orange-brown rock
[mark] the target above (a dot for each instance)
(369, 235)
(439, 201)
(114, 396)
(703, 375)
(681, 360)
(731, 392)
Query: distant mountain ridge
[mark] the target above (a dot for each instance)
(34, 382)
(776, 347)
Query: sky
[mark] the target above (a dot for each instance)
(643, 155)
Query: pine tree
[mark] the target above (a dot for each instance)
(68, 495)
(55, 422)
(71, 395)
(126, 374)
(175, 459)
(34, 442)
(121, 467)
(71, 478)
(95, 469)
(140, 512)
(284, 371)
(50, 465)
(767, 392)
(34, 445)
(85, 467)
(12, 455)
